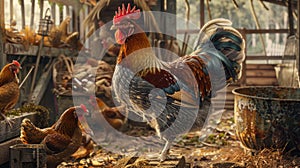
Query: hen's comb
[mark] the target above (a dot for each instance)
(83, 107)
(126, 13)
(16, 63)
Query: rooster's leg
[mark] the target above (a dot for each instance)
(165, 151)
(7, 120)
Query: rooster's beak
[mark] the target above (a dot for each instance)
(113, 27)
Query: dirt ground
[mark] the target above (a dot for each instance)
(220, 149)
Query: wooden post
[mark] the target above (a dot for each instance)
(170, 22)
(22, 13)
(11, 8)
(41, 9)
(81, 28)
(32, 14)
(298, 42)
(61, 13)
(202, 16)
(53, 12)
(2, 37)
(291, 18)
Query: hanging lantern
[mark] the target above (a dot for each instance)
(45, 24)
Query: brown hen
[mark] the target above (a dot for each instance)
(112, 115)
(9, 88)
(60, 140)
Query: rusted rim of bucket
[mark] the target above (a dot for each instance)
(234, 91)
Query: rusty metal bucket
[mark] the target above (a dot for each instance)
(268, 117)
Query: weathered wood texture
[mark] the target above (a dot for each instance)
(18, 49)
(255, 75)
(4, 152)
(298, 41)
(7, 133)
(2, 39)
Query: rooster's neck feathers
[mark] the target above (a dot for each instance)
(6, 75)
(137, 53)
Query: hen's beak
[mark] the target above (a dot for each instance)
(85, 126)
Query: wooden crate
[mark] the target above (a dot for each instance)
(28, 156)
(7, 133)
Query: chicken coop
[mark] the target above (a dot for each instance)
(234, 62)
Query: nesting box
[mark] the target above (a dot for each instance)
(27, 156)
(267, 117)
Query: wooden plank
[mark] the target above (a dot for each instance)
(260, 67)
(53, 12)
(2, 36)
(170, 19)
(263, 57)
(41, 86)
(282, 3)
(41, 5)
(22, 13)
(262, 82)
(261, 73)
(2, 24)
(7, 133)
(11, 8)
(298, 41)
(18, 49)
(32, 14)
(4, 152)
(247, 31)
(202, 14)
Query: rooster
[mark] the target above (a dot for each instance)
(174, 97)
(60, 140)
(9, 88)
(112, 115)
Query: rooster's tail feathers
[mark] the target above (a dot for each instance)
(228, 41)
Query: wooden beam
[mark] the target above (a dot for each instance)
(202, 16)
(291, 18)
(23, 13)
(2, 12)
(53, 12)
(262, 57)
(32, 14)
(41, 86)
(298, 42)
(247, 31)
(18, 49)
(2, 36)
(282, 3)
(41, 9)
(11, 8)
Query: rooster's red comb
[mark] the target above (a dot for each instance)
(126, 13)
(16, 63)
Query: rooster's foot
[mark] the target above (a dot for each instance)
(7, 120)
